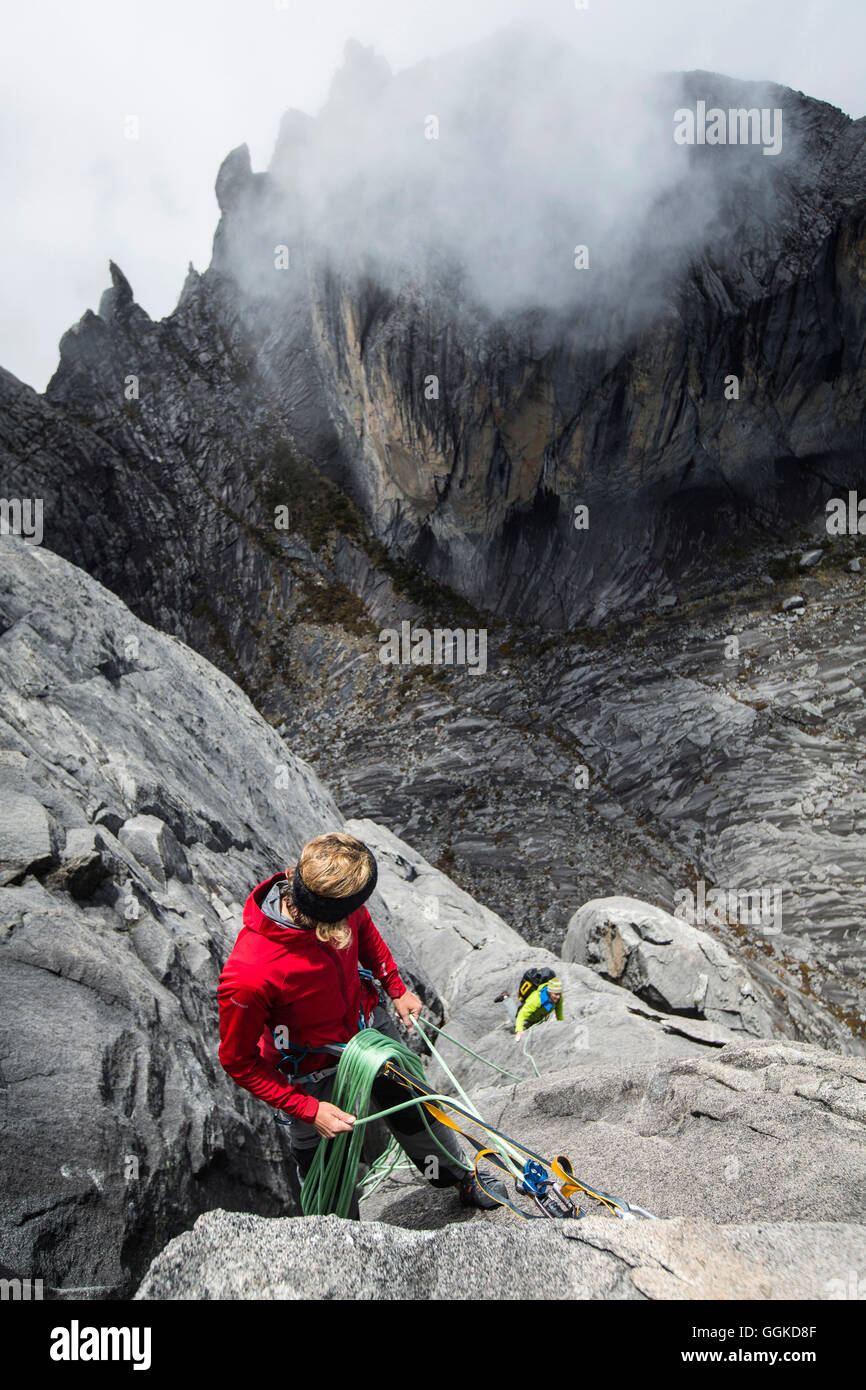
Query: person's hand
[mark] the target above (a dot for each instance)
(331, 1120)
(517, 1037)
(408, 1008)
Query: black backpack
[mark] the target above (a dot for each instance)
(531, 980)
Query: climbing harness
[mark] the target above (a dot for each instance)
(365, 1020)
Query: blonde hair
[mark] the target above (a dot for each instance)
(335, 865)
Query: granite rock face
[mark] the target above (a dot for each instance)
(677, 1114)
(715, 755)
(471, 955)
(754, 1131)
(230, 1256)
(142, 798)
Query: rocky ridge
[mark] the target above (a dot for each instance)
(317, 1257)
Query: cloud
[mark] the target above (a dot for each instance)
(518, 170)
(208, 74)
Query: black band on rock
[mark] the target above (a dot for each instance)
(323, 909)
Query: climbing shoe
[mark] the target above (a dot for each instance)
(499, 998)
(472, 1194)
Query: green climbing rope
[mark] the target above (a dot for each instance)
(527, 1053)
(330, 1184)
(477, 1055)
(391, 1161)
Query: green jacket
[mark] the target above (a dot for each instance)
(533, 1011)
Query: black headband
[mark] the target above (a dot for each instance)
(323, 909)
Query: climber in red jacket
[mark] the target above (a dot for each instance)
(291, 988)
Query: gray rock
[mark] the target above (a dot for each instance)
(693, 761)
(152, 843)
(810, 558)
(470, 955)
(794, 602)
(118, 1124)
(151, 1131)
(692, 1259)
(756, 1131)
(765, 1137)
(230, 1256)
(667, 963)
(493, 517)
(26, 844)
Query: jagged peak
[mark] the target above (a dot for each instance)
(234, 177)
(294, 135)
(362, 77)
(190, 286)
(120, 282)
(120, 295)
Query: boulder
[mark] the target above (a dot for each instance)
(152, 843)
(667, 963)
(25, 837)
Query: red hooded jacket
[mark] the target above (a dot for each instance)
(283, 976)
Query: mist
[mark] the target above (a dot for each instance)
(513, 177)
(204, 76)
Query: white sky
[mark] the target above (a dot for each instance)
(205, 75)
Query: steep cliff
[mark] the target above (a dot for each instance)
(142, 796)
(417, 329)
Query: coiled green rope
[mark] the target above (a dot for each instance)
(330, 1184)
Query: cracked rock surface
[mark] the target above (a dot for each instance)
(230, 1256)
